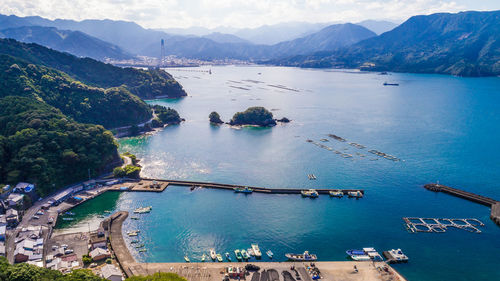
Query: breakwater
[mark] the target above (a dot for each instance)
(255, 189)
(483, 200)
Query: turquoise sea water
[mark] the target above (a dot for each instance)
(445, 128)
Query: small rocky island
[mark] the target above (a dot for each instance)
(165, 116)
(257, 116)
(214, 118)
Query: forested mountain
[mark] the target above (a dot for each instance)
(39, 144)
(112, 107)
(73, 42)
(143, 83)
(466, 43)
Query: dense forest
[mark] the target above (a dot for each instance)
(113, 107)
(39, 144)
(256, 115)
(143, 83)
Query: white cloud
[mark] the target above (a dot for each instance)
(236, 13)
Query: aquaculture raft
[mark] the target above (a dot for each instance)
(440, 225)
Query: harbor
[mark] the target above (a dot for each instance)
(216, 271)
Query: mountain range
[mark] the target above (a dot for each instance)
(465, 44)
(73, 42)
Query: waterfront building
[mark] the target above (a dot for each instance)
(12, 217)
(111, 272)
(99, 254)
(15, 199)
(3, 232)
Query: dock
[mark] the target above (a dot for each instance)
(266, 190)
(483, 200)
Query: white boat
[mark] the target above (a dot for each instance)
(396, 256)
(312, 193)
(302, 257)
(360, 257)
(336, 193)
(213, 254)
(355, 194)
(270, 254)
(143, 210)
(256, 250)
(250, 252)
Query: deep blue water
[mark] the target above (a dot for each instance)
(445, 128)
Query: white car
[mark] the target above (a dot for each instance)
(68, 251)
(64, 246)
(35, 217)
(93, 265)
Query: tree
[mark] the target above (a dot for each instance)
(86, 259)
(133, 130)
(214, 118)
(119, 172)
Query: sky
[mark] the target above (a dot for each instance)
(236, 13)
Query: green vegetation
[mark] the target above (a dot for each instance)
(27, 272)
(143, 83)
(254, 116)
(39, 144)
(214, 118)
(86, 259)
(130, 171)
(113, 107)
(131, 156)
(167, 115)
(160, 276)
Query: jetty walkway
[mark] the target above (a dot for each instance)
(255, 189)
(483, 200)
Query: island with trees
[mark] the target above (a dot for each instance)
(256, 116)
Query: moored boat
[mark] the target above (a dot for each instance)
(237, 252)
(302, 257)
(395, 256)
(244, 254)
(228, 256)
(312, 193)
(213, 254)
(219, 257)
(355, 194)
(256, 250)
(270, 254)
(68, 219)
(142, 250)
(203, 257)
(243, 189)
(358, 255)
(336, 193)
(186, 259)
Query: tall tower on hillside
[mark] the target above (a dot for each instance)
(162, 54)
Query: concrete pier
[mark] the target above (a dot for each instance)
(483, 200)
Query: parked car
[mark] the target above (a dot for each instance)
(64, 246)
(93, 265)
(68, 251)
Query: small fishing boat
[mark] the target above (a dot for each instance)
(243, 189)
(69, 213)
(186, 259)
(203, 257)
(358, 255)
(143, 210)
(134, 241)
(134, 218)
(100, 216)
(107, 211)
(311, 193)
(142, 250)
(270, 254)
(132, 234)
(355, 194)
(250, 252)
(256, 251)
(239, 257)
(396, 256)
(302, 257)
(390, 84)
(213, 254)
(219, 257)
(228, 257)
(336, 193)
(68, 219)
(139, 246)
(244, 254)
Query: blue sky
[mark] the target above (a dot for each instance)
(237, 13)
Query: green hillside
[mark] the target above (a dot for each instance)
(39, 144)
(113, 107)
(143, 83)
